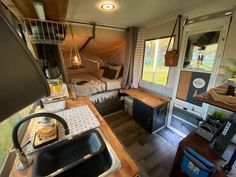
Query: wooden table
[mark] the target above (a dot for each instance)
(147, 98)
(149, 110)
(128, 167)
(200, 145)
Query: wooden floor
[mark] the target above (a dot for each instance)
(153, 154)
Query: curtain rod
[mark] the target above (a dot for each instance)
(87, 23)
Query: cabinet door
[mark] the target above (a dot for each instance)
(159, 117)
(143, 114)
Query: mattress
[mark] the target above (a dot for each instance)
(90, 84)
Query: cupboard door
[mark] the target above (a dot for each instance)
(143, 114)
(160, 117)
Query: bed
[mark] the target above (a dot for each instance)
(88, 84)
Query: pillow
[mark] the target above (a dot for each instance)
(100, 72)
(109, 73)
(117, 68)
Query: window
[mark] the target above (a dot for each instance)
(154, 69)
(6, 132)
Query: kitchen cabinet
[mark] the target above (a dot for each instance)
(148, 117)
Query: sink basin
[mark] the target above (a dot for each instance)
(88, 154)
(92, 167)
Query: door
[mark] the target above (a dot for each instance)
(199, 62)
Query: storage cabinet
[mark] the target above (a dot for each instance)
(150, 118)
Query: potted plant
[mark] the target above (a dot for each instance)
(216, 119)
(219, 116)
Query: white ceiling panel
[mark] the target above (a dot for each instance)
(128, 12)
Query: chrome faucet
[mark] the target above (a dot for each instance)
(24, 160)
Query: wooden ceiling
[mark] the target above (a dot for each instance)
(55, 10)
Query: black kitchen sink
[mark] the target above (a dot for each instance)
(85, 155)
(92, 167)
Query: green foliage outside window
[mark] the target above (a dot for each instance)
(6, 132)
(154, 69)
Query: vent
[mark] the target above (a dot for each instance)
(43, 31)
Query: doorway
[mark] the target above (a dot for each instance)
(199, 61)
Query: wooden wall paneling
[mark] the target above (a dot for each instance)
(26, 7)
(56, 10)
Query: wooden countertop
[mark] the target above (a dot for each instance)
(128, 167)
(147, 98)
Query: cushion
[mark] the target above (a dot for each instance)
(100, 72)
(109, 73)
(117, 68)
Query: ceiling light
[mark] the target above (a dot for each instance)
(107, 6)
(228, 13)
(38, 5)
(191, 21)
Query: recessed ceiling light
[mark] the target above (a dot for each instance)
(107, 6)
(228, 13)
(191, 21)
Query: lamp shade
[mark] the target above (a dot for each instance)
(22, 81)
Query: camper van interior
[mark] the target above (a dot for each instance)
(121, 88)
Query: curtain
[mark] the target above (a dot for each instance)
(131, 40)
(62, 63)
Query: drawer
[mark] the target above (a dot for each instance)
(187, 116)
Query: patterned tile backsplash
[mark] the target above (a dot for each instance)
(79, 120)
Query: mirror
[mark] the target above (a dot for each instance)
(201, 50)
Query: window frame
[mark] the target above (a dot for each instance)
(150, 39)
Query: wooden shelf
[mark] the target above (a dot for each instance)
(206, 98)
